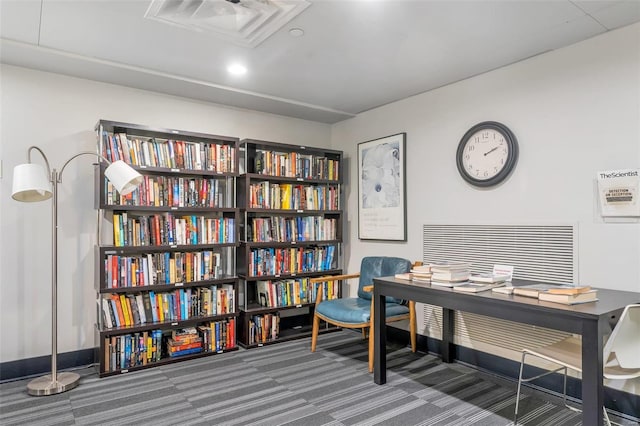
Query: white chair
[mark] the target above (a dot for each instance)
(620, 355)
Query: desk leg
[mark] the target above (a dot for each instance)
(592, 387)
(448, 350)
(380, 339)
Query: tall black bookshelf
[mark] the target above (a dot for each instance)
(167, 288)
(291, 230)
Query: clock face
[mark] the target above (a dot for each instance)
(486, 154)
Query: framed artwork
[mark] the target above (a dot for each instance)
(382, 211)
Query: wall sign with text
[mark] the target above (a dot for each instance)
(618, 193)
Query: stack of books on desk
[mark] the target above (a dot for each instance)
(450, 274)
(482, 282)
(421, 273)
(558, 293)
(569, 296)
(533, 290)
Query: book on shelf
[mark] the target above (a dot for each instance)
(185, 352)
(103, 304)
(489, 278)
(568, 298)
(474, 287)
(532, 290)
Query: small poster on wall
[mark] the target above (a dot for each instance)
(618, 193)
(381, 189)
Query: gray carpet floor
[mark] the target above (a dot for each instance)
(286, 384)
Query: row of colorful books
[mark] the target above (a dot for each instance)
(272, 261)
(218, 335)
(166, 229)
(286, 196)
(132, 350)
(125, 310)
(171, 191)
(292, 292)
(293, 164)
(138, 349)
(263, 328)
(298, 228)
(161, 268)
(173, 154)
(215, 336)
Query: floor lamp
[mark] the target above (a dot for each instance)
(30, 184)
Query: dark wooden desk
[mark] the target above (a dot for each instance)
(591, 320)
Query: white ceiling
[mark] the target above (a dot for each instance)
(355, 54)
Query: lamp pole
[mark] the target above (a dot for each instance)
(55, 382)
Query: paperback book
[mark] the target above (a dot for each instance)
(451, 284)
(506, 289)
(473, 287)
(450, 266)
(532, 290)
(488, 278)
(569, 299)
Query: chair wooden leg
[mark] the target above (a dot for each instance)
(364, 333)
(314, 332)
(412, 325)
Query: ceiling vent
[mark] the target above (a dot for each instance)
(244, 22)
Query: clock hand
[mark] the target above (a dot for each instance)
(489, 152)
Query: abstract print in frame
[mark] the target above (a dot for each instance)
(381, 189)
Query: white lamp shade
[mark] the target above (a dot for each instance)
(30, 183)
(124, 178)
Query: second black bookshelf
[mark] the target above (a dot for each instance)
(291, 230)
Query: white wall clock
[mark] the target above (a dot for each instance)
(487, 154)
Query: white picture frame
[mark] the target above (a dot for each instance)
(382, 212)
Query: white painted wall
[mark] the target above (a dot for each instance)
(574, 111)
(58, 114)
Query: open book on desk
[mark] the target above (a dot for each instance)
(453, 284)
(532, 290)
(471, 287)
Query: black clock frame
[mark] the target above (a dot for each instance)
(512, 157)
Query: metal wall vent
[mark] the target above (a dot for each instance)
(244, 22)
(537, 252)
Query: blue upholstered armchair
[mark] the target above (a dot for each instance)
(356, 312)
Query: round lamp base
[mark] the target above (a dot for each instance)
(44, 386)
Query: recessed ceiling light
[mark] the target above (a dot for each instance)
(296, 32)
(237, 69)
